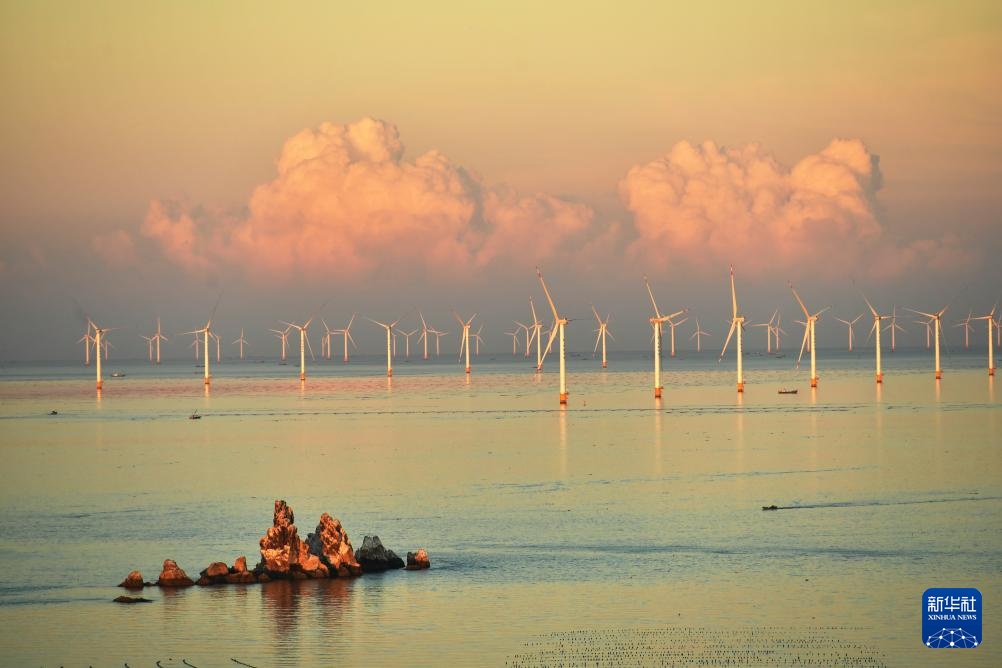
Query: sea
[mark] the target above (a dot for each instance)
(616, 530)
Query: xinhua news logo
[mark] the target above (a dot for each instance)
(951, 618)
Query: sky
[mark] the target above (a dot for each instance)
(399, 156)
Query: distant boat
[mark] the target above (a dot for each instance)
(195, 416)
(786, 391)
(117, 374)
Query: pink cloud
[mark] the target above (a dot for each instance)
(708, 204)
(116, 249)
(345, 204)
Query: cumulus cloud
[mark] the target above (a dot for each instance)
(709, 204)
(116, 249)
(346, 204)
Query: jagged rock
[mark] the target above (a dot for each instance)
(133, 580)
(329, 542)
(283, 552)
(240, 565)
(418, 560)
(173, 576)
(374, 558)
(216, 569)
(132, 599)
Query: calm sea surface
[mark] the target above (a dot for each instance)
(616, 531)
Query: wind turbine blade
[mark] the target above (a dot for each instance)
(928, 315)
(596, 314)
(730, 333)
(734, 294)
(598, 340)
(657, 313)
(546, 291)
(309, 346)
(872, 330)
(803, 345)
(800, 301)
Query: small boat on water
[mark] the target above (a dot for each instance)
(118, 374)
(786, 391)
(195, 416)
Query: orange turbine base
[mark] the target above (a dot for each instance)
(302, 376)
(880, 378)
(991, 371)
(563, 397)
(604, 365)
(389, 373)
(814, 382)
(657, 392)
(741, 387)
(99, 384)
(207, 380)
(939, 374)
(467, 369)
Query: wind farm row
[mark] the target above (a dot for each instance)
(95, 338)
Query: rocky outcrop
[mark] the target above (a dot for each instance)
(133, 580)
(173, 576)
(374, 558)
(283, 553)
(132, 599)
(417, 561)
(329, 542)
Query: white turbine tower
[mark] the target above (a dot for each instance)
(206, 332)
(936, 321)
(98, 333)
(672, 324)
(528, 339)
(991, 353)
(768, 331)
(737, 324)
(242, 342)
(895, 327)
(809, 334)
(424, 334)
(389, 342)
(558, 330)
(657, 323)
(464, 339)
(514, 342)
(602, 331)
(479, 339)
(149, 345)
(850, 324)
(875, 329)
(407, 337)
(698, 335)
(438, 340)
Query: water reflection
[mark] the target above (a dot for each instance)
(658, 455)
(281, 601)
(562, 424)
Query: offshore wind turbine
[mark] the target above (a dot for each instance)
(737, 325)
(991, 353)
(514, 342)
(876, 330)
(217, 338)
(325, 340)
(537, 334)
(438, 340)
(282, 334)
(304, 342)
(895, 327)
(935, 320)
(157, 338)
(809, 333)
(657, 322)
(407, 337)
(603, 331)
(424, 334)
(346, 332)
(88, 341)
(242, 342)
(966, 324)
(478, 339)
(464, 338)
(778, 327)
(520, 326)
(698, 335)
(768, 331)
(195, 344)
(558, 330)
(149, 344)
(389, 342)
(850, 324)
(672, 324)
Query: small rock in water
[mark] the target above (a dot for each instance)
(772, 507)
(133, 580)
(173, 576)
(53, 413)
(374, 558)
(418, 560)
(132, 599)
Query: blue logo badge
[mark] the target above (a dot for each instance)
(951, 618)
